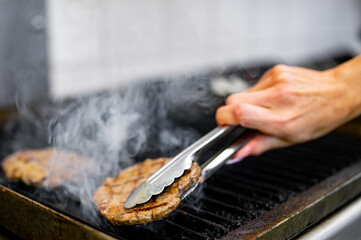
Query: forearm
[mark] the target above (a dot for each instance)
(349, 73)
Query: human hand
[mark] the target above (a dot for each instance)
(291, 105)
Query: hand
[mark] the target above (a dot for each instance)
(291, 105)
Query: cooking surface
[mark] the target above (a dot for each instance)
(232, 197)
(247, 197)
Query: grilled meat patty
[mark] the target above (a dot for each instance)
(45, 167)
(110, 197)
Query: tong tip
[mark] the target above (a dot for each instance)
(138, 196)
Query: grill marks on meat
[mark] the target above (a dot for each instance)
(110, 197)
(45, 167)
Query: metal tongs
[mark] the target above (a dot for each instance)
(175, 168)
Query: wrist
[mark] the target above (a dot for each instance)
(348, 78)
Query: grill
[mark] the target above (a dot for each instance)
(274, 196)
(238, 196)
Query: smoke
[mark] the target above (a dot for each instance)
(98, 127)
(115, 129)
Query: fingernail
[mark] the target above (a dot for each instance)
(245, 151)
(234, 160)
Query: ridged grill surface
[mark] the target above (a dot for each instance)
(240, 193)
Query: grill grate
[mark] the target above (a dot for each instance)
(240, 193)
(233, 197)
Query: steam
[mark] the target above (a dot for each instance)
(98, 127)
(118, 128)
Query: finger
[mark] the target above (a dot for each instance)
(272, 76)
(246, 150)
(256, 117)
(225, 116)
(260, 98)
(260, 144)
(265, 143)
(263, 82)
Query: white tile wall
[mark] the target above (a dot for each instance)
(97, 44)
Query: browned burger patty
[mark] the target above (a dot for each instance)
(44, 167)
(110, 197)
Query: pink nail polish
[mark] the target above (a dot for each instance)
(234, 160)
(245, 151)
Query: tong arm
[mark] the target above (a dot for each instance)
(165, 176)
(213, 164)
